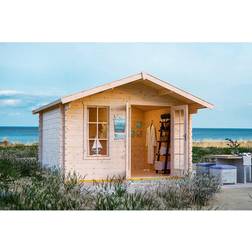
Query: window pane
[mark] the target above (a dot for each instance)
(98, 147)
(98, 132)
(176, 131)
(182, 130)
(176, 116)
(92, 150)
(102, 131)
(176, 146)
(102, 114)
(92, 130)
(181, 115)
(104, 150)
(92, 114)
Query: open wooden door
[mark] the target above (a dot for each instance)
(179, 139)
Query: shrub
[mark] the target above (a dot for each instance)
(114, 195)
(19, 151)
(201, 153)
(172, 196)
(188, 192)
(204, 187)
(16, 168)
(49, 192)
(24, 185)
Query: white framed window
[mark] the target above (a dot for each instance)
(98, 131)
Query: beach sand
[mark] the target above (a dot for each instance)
(203, 143)
(220, 144)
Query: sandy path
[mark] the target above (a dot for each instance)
(234, 197)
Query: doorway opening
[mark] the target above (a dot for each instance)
(149, 159)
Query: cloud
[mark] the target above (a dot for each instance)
(20, 100)
(7, 92)
(10, 102)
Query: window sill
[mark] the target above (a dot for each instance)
(97, 158)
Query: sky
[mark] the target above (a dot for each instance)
(33, 74)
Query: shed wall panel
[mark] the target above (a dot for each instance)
(51, 138)
(75, 158)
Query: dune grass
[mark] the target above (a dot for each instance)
(19, 151)
(203, 149)
(50, 191)
(24, 185)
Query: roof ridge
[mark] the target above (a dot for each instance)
(110, 85)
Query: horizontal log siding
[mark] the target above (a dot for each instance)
(75, 130)
(76, 144)
(51, 138)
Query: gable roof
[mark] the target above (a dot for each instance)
(129, 79)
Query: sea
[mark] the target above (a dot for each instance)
(29, 135)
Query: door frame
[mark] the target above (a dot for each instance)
(129, 106)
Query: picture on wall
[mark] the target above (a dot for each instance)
(119, 127)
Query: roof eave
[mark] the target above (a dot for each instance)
(179, 91)
(210, 106)
(54, 103)
(132, 78)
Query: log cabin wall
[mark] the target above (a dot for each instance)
(76, 130)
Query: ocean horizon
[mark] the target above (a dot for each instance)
(29, 134)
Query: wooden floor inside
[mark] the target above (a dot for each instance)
(146, 173)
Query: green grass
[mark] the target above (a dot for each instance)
(19, 151)
(18, 161)
(199, 153)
